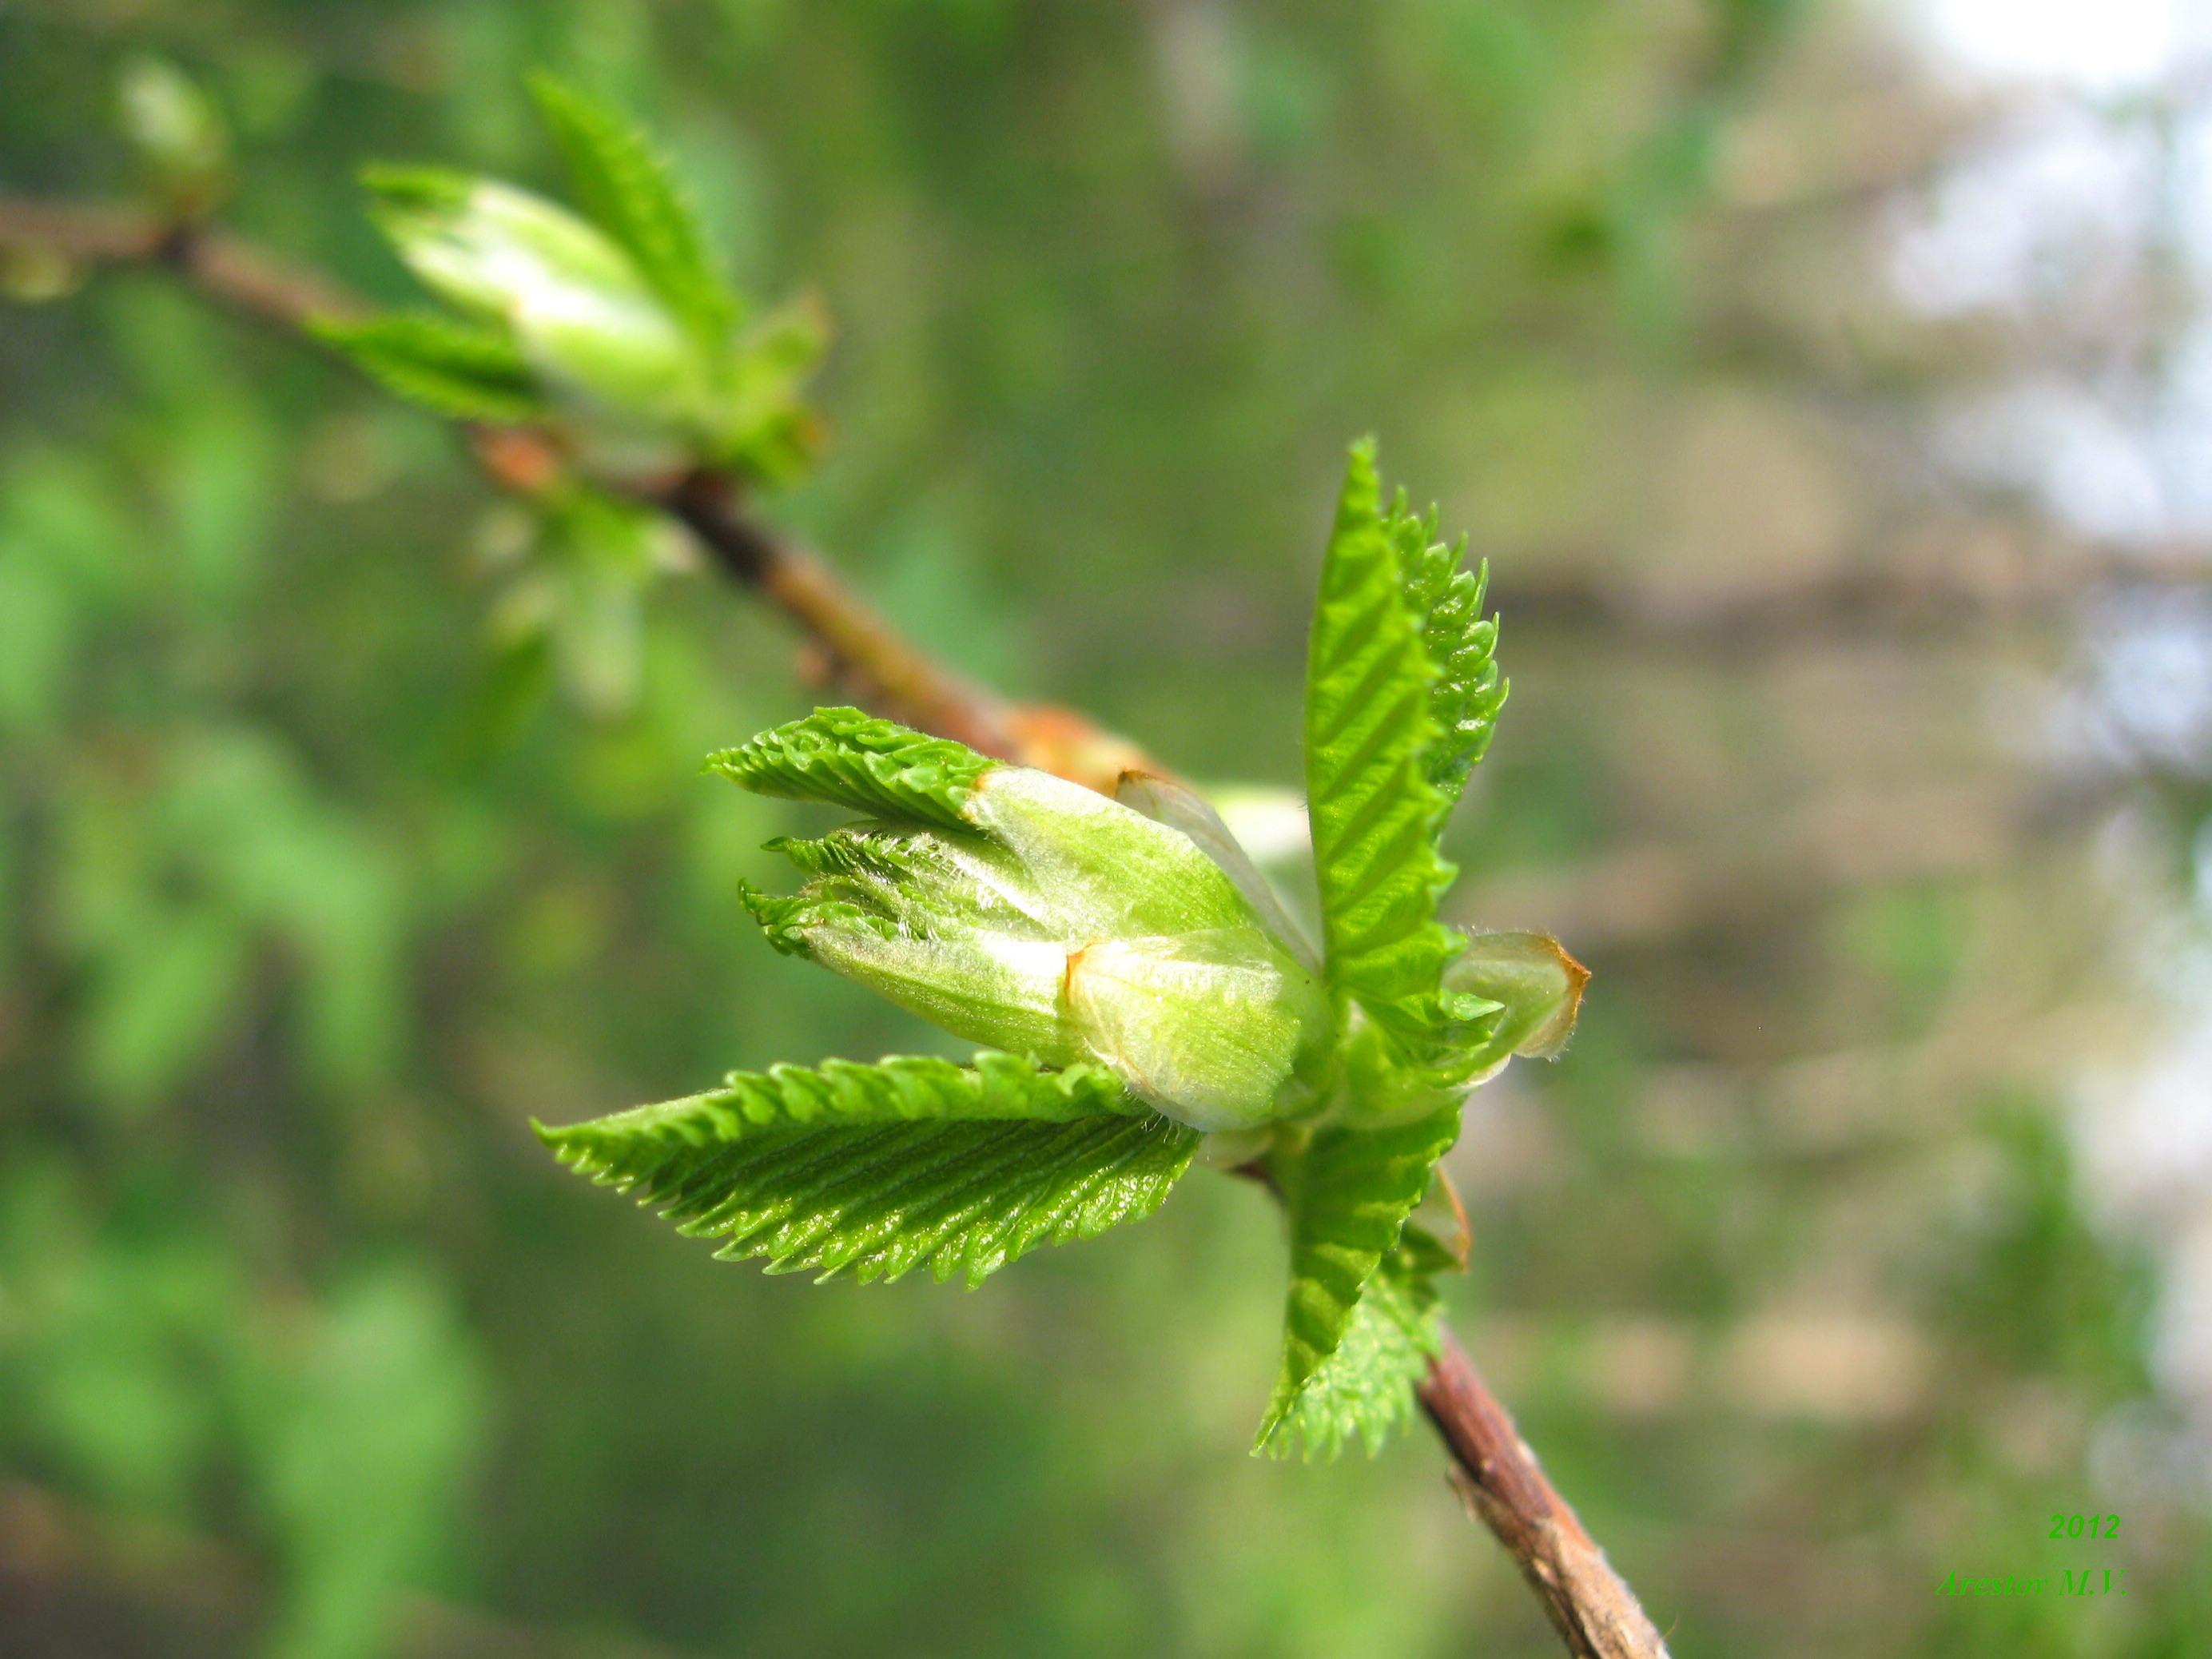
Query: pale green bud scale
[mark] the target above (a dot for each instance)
(1214, 1028)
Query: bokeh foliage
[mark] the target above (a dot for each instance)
(352, 818)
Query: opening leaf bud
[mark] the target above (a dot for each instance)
(1039, 917)
(574, 301)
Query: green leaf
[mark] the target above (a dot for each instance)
(762, 425)
(1370, 739)
(467, 373)
(1347, 1194)
(406, 186)
(786, 920)
(1461, 645)
(882, 1169)
(628, 189)
(1365, 1388)
(847, 758)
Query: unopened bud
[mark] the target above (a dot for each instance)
(180, 137)
(574, 301)
(1538, 986)
(1064, 926)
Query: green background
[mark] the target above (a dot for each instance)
(349, 819)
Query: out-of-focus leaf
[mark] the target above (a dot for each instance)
(36, 631)
(221, 488)
(572, 300)
(179, 134)
(598, 555)
(469, 372)
(116, 1343)
(157, 1010)
(627, 188)
(366, 1428)
(760, 423)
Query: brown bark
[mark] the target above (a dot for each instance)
(1596, 1613)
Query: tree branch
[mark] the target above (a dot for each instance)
(71, 1574)
(1592, 1609)
(884, 670)
(222, 266)
(879, 668)
(2015, 586)
(1596, 1614)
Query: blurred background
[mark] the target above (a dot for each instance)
(1830, 386)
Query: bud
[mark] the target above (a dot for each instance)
(1537, 985)
(1519, 994)
(179, 135)
(1061, 925)
(1203, 1025)
(575, 302)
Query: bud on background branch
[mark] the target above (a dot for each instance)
(581, 312)
(182, 143)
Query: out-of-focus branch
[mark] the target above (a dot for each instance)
(225, 267)
(1893, 601)
(1594, 1612)
(882, 669)
(1638, 897)
(855, 645)
(73, 1578)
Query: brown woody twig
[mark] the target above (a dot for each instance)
(1596, 1614)
(1594, 1611)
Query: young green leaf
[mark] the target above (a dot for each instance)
(467, 373)
(1365, 1388)
(762, 426)
(1370, 737)
(879, 1169)
(1347, 1194)
(1461, 645)
(573, 299)
(626, 188)
(847, 758)
(404, 187)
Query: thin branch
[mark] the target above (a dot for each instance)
(1596, 1613)
(67, 1569)
(2026, 588)
(884, 669)
(1506, 1489)
(855, 646)
(224, 266)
